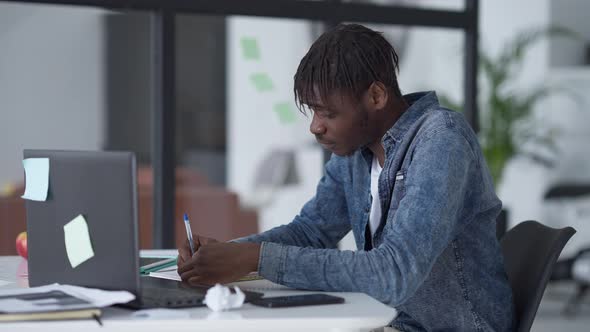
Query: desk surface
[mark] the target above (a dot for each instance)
(359, 313)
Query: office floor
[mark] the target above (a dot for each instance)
(550, 316)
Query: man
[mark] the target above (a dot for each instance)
(406, 176)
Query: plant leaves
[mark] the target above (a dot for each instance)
(506, 116)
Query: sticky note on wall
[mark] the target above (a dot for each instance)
(36, 179)
(285, 112)
(250, 48)
(261, 81)
(77, 239)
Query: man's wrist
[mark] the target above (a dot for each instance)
(253, 256)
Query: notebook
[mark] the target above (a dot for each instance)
(48, 305)
(149, 264)
(252, 281)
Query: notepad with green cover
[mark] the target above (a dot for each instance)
(166, 269)
(51, 305)
(156, 265)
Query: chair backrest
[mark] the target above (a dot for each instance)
(530, 250)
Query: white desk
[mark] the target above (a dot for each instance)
(359, 313)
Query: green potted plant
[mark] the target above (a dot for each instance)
(507, 124)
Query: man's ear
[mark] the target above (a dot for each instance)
(377, 96)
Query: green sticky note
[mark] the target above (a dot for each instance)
(285, 112)
(77, 238)
(36, 179)
(250, 48)
(261, 81)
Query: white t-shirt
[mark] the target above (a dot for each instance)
(375, 216)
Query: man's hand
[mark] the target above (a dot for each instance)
(220, 263)
(184, 252)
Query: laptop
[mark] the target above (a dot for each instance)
(102, 187)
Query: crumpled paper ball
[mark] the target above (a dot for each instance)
(219, 298)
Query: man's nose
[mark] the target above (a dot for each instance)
(317, 127)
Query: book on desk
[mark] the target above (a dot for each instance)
(49, 305)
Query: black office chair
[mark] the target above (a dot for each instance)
(530, 250)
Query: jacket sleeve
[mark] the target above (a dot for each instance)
(323, 220)
(425, 222)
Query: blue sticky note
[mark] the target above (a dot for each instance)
(36, 179)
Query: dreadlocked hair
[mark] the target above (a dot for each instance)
(347, 59)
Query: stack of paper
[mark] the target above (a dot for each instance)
(57, 302)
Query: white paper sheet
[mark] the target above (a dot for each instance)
(8, 305)
(99, 298)
(163, 253)
(5, 282)
(170, 274)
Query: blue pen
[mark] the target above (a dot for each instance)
(189, 234)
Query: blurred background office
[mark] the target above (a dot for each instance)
(79, 78)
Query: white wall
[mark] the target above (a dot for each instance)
(572, 14)
(433, 61)
(254, 128)
(51, 81)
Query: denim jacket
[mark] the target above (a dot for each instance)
(435, 259)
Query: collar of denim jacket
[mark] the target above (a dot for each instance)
(420, 103)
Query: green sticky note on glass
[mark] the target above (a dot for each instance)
(285, 112)
(250, 48)
(78, 244)
(36, 179)
(261, 81)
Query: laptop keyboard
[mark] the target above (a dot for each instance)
(170, 298)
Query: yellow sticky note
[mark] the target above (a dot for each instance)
(77, 238)
(36, 179)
